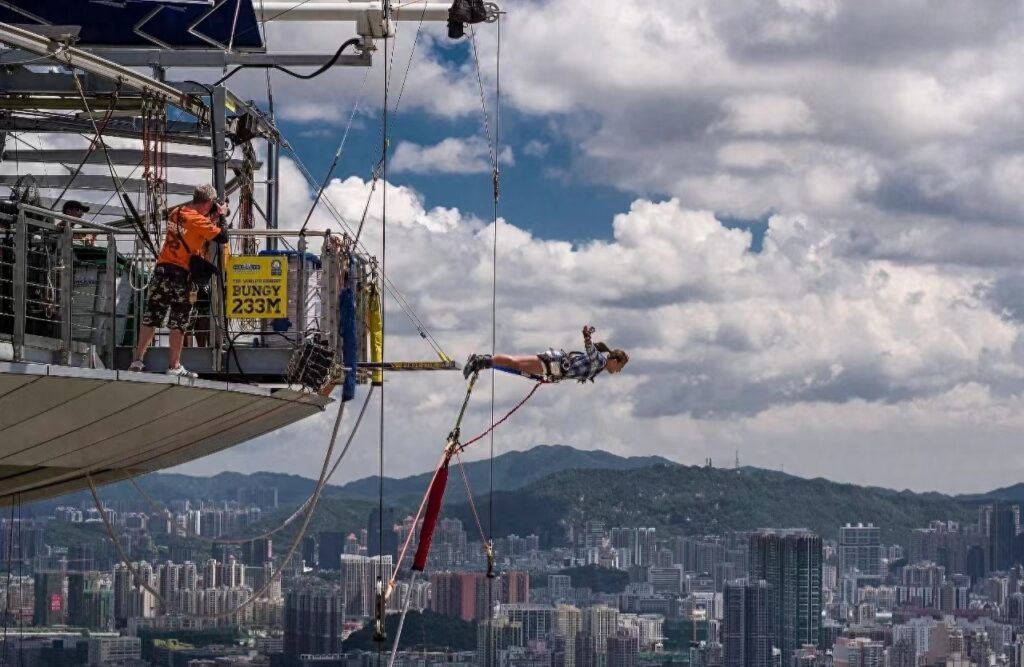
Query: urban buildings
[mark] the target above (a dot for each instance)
(860, 550)
(790, 561)
(314, 618)
(746, 639)
(604, 595)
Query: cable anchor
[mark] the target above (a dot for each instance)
(380, 599)
(489, 549)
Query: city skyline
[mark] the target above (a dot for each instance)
(599, 594)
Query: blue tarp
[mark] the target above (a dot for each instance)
(349, 346)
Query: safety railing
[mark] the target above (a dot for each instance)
(72, 292)
(38, 290)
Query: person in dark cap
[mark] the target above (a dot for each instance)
(77, 209)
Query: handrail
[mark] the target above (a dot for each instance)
(28, 208)
(276, 232)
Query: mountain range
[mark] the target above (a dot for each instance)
(546, 489)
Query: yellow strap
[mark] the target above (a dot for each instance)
(376, 327)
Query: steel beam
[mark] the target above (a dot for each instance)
(273, 189)
(297, 10)
(178, 132)
(98, 105)
(96, 209)
(210, 58)
(123, 156)
(88, 62)
(218, 120)
(95, 182)
(220, 154)
(25, 82)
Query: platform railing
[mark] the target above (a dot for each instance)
(56, 307)
(38, 291)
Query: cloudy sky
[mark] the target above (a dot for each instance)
(801, 218)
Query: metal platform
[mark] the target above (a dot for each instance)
(58, 423)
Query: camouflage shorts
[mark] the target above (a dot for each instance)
(168, 291)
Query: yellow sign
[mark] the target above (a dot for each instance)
(257, 287)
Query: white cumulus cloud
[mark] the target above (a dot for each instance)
(450, 156)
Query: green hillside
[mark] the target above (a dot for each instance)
(693, 500)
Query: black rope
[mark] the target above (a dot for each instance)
(383, 271)
(495, 178)
(320, 70)
(126, 203)
(92, 147)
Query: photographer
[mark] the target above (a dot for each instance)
(189, 228)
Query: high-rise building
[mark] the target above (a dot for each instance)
(500, 634)
(901, 654)
(21, 540)
(646, 546)
(446, 594)
(49, 599)
(374, 533)
(460, 594)
(593, 534)
(623, 650)
(708, 654)
(309, 551)
(586, 652)
(858, 652)
(257, 552)
(568, 623)
(537, 620)
(1000, 523)
(745, 634)
(600, 622)
(641, 544)
(515, 587)
(358, 579)
(790, 562)
(666, 579)
(559, 587)
(231, 574)
(132, 599)
(78, 584)
(168, 577)
(860, 550)
(331, 546)
(314, 619)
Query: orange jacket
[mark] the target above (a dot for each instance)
(197, 230)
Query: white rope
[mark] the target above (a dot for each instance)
(321, 482)
(292, 517)
(401, 621)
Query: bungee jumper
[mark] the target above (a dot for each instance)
(555, 365)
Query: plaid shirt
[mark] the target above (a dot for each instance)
(584, 366)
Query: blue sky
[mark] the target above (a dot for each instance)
(560, 206)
